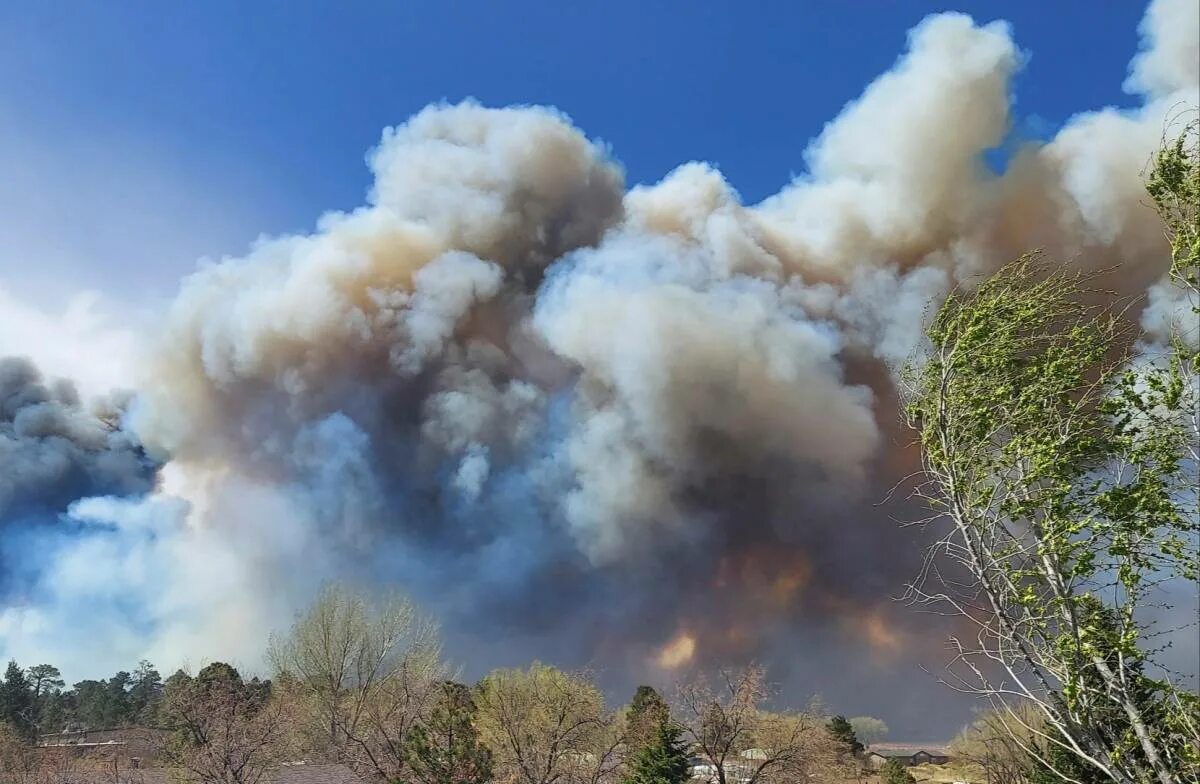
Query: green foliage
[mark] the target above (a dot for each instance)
(868, 729)
(446, 748)
(647, 711)
(1066, 473)
(842, 732)
(17, 701)
(893, 772)
(1174, 187)
(663, 759)
(144, 693)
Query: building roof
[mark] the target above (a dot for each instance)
(889, 750)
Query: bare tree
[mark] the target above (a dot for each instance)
(744, 743)
(364, 673)
(544, 726)
(996, 746)
(18, 757)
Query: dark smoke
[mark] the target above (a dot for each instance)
(644, 429)
(54, 451)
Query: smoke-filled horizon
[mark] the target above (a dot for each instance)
(645, 430)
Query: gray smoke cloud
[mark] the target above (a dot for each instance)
(641, 428)
(55, 450)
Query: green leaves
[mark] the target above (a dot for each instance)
(1067, 467)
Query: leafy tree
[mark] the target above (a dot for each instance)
(843, 732)
(1064, 476)
(545, 725)
(1174, 187)
(365, 671)
(664, 757)
(868, 729)
(893, 772)
(445, 748)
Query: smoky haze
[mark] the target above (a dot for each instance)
(644, 429)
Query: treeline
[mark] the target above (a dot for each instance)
(362, 682)
(35, 700)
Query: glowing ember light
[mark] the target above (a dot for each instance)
(678, 652)
(879, 635)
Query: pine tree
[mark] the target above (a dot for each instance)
(647, 710)
(16, 701)
(843, 732)
(45, 681)
(446, 749)
(663, 760)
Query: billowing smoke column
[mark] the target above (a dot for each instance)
(644, 429)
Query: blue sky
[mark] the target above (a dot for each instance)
(198, 128)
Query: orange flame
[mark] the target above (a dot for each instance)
(678, 652)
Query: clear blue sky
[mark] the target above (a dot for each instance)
(254, 117)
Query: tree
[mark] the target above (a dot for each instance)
(17, 701)
(445, 748)
(842, 732)
(1174, 188)
(118, 709)
(18, 757)
(647, 711)
(742, 741)
(544, 725)
(144, 693)
(663, 759)
(1064, 477)
(45, 681)
(366, 672)
(893, 772)
(868, 729)
(225, 730)
(998, 746)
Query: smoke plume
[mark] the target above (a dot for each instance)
(641, 428)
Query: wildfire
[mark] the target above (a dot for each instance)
(879, 635)
(678, 652)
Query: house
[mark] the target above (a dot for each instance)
(128, 746)
(703, 771)
(907, 755)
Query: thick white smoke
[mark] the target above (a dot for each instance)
(506, 376)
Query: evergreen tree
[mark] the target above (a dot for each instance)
(117, 705)
(16, 701)
(843, 732)
(145, 693)
(446, 749)
(44, 679)
(647, 710)
(91, 704)
(663, 760)
(46, 683)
